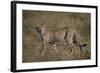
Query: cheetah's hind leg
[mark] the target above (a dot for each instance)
(71, 46)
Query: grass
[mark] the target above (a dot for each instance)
(54, 20)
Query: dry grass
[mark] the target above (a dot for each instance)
(54, 20)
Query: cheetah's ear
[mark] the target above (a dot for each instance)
(44, 25)
(37, 25)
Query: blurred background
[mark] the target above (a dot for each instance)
(54, 20)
